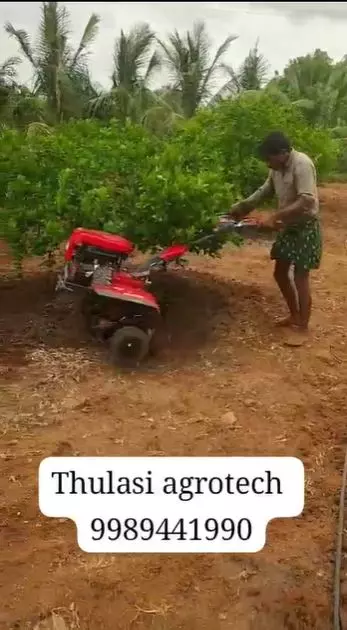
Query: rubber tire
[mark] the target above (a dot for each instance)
(118, 339)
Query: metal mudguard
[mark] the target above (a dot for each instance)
(127, 293)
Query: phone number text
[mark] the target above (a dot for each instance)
(181, 529)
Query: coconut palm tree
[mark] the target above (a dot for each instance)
(317, 85)
(253, 72)
(193, 72)
(304, 73)
(250, 77)
(60, 73)
(134, 63)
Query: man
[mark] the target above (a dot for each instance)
(292, 178)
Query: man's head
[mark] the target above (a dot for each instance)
(275, 150)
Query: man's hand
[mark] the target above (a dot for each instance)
(226, 218)
(237, 211)
(272, 222)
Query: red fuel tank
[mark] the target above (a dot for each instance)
(101, 240)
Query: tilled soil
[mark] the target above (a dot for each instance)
(219, 352)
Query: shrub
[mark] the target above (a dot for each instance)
(122, 178)
(234, 129)
(89, 175)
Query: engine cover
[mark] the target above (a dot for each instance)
(97, 244)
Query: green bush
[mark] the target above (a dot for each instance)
(94, 176)
(233, 131)
(153, 190)
(339, 134)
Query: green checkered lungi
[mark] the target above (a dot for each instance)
(300, 245)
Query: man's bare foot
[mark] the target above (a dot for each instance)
(297, 336)
(287, 322)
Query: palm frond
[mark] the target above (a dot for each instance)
(23, 40)
(140, 39)
(38, 129)
(8, 69)
(304, 103)
(173, 53)
(230, 88)
(88, 38)
(192, 71)
(100, 103)
(133, 64)
(54, 31)
(153, 65)
(176, 56)
(120, 60)
(198, 45)
(160, 119)
(253, 71)
(215, 65)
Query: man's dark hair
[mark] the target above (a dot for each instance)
(274, 144)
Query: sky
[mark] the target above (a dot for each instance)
(285, 29)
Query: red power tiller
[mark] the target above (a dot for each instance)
(118, 307)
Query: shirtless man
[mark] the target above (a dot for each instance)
(292, 178)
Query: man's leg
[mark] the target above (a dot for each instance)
(302, 283)
(288, 290)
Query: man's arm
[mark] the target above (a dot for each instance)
(241, 209)
(305, 179)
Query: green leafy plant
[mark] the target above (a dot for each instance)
(120, 177)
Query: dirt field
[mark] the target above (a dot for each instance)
(58, 396)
